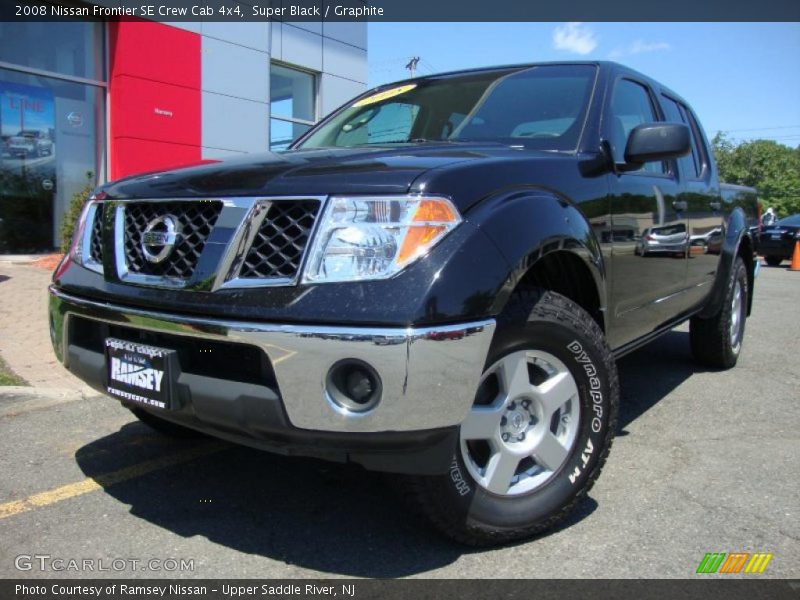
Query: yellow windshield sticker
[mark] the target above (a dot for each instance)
(384, 95)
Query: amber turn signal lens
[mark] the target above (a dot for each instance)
(435, 210)
(434, 216)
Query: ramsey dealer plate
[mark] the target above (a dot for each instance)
(138, 373)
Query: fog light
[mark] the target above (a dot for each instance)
(354, 385)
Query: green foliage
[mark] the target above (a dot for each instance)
(8, 377)
(76, 204)
(772, 168)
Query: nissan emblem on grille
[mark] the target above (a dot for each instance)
(160, 237)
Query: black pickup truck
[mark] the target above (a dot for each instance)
(435, 281)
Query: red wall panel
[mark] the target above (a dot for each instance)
(154, 91)
(145, 109)
(141, 156)
(155, 51)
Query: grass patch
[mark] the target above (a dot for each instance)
(8, 377)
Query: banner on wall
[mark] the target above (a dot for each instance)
(27, 167)
(27, 130)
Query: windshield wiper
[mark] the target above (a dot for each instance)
(411, 141)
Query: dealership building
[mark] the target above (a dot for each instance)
(82, 102)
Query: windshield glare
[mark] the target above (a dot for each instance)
(539, 107)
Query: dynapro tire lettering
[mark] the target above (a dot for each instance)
(596, 394)
(462, 487)
(585, 456)
(582, 358)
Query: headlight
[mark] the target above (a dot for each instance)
(375, 237)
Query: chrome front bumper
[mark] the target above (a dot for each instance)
(429, 375)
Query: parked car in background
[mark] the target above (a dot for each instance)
(30, 142)
(670, 239)
(778, 240)
(709, 242)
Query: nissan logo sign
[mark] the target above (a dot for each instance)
(75, 119)
(160, 237)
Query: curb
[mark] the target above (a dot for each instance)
(19, 259)
(19, 399)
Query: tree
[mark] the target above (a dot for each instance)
(76, 204)
(772, 168)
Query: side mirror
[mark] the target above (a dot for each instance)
(650, 142)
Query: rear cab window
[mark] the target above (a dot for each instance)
(695, 163)
(631, 105)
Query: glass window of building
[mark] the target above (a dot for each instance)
(72, 48)
(52, 125)
(293, 105)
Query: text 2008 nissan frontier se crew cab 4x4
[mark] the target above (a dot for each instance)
(434, 281)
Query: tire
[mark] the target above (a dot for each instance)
(467, 504)
(717, 341)
(165, 427)
(773, 261)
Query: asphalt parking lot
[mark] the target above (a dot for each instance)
(703, 462)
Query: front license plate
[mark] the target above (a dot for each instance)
(776, 236)
(138, 373)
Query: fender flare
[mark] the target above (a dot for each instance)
(528, 224)
(736, 233)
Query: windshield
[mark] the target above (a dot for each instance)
(539, 107)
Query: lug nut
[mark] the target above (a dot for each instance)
(505, 437)
(521, 437)
(526, 403)
(503, 421)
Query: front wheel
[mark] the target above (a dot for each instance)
(773, 261)
(717, 341)
(538, 432)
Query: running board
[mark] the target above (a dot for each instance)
(646, 339)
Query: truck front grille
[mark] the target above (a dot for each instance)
(96, 245)
(280, 243)
(197, 219)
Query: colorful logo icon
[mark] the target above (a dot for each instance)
(734, 562)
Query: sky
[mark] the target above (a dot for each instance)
(741, 78)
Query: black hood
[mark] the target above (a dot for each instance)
(298, 172)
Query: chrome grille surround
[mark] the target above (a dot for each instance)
(91, 242)
(238, 242)
(96, 239)
(286, 223)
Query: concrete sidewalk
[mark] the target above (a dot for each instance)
(24, 332)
